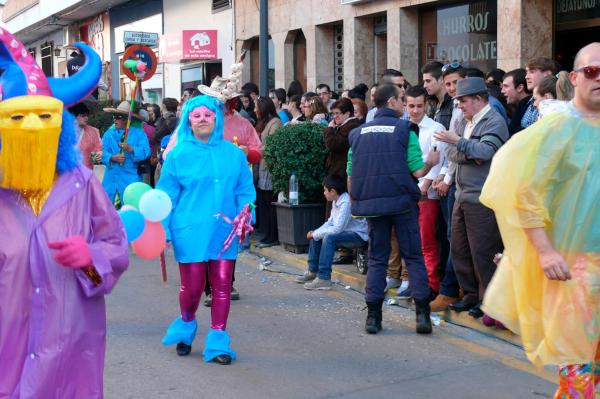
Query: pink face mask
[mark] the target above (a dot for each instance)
(202, 115)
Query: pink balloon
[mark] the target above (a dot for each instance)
(152, 241)
(141, 67)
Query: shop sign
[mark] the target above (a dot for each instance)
(170, 47)
(143, 38)
(465, 33)
(95, 32)
(199, 45)
(576, 10)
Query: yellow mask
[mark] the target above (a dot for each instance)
(30, 129)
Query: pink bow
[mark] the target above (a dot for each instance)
(241, 227)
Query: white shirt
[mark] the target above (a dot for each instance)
(427, 127)
(341, 220)
(473, 122)
(449, 168)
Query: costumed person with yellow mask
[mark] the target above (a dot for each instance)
(63, 245)
(544, 186)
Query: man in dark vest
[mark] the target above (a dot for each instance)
(384, 164)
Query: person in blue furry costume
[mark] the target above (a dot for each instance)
(209, 183)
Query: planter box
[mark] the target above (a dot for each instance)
(293, 222)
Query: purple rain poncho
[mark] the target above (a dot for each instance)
(52, 318)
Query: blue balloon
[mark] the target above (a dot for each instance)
(134, 223)
(155, 205)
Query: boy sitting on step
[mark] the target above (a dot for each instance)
(340, 230)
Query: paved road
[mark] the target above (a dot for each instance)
(293, 343)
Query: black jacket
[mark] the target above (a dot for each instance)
(515, 121)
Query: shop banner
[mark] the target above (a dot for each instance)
(200, 45)
(576, 10)
(170, 48)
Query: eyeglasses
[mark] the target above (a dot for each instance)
(403, 85)
(453, 65)
(118, 117)
(590, 72)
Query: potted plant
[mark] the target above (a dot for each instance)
(300, 149)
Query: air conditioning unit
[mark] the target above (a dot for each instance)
(354, 1)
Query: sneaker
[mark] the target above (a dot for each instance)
(306, 277)
(405, 294)
(392, 283)
(318, 284)
(235, 295)
(208, 301)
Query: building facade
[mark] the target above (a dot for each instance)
(346, 42)
(198, 43)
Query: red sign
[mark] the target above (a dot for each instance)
(142, 53)
(170, 47)
(199, 45)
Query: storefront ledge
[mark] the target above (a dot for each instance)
(347, 275)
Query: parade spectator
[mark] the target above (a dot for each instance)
(475, 237)
(514, 88)
(154, 112)
(167, 120)
(536, 69)
(440, 106)
(246, 107)
(278, 97)
(88, 137)
(564, 88)
(360, 110)
(252, 89)
(359, 91)
(340, 230)
(429, 205)
(295, 88)
(295, 109)
(382, 168)
(336, 137)
(121, 154)
(314, 110)
(268, 122)
(493, 94)
(324, 93)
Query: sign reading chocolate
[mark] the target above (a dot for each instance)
(466, 33)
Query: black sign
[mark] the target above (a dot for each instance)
(576, 10)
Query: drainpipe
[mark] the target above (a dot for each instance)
(263, 48)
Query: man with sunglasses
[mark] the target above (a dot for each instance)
(544, 188)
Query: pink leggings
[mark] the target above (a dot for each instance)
(193, 279)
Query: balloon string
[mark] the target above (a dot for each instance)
(131, 108)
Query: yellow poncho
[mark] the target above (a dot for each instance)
(549, 176)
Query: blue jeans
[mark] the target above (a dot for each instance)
(449, 286)
(409, 245)
(320, 253)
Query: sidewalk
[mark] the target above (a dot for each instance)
(348, 275)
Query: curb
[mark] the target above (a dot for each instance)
(348, 275)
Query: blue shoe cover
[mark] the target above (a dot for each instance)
(181, 331)
(217, 343)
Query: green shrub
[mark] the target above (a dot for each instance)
(298, 148)
(100, 119)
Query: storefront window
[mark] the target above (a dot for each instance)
(464, 33)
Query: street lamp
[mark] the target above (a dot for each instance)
(57, 51)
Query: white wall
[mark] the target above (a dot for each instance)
(44, 9)
(182, 15)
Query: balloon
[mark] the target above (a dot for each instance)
(155, 205)
(130, 64)
(134, 192)
(141, 67)
(128, 208)
(152, 242)
(134, 223)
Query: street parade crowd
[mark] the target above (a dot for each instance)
(473, 191)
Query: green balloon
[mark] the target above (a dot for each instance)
(134, 192)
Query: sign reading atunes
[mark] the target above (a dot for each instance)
(576, 10)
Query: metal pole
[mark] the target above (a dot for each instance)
(263, 48)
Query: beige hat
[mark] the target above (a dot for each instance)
(222, 88)
(123, 109)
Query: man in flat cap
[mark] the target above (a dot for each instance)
(475, 236)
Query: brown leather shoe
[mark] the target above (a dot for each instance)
(441, 302)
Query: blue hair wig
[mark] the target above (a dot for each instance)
(68, 157)
(184, 130)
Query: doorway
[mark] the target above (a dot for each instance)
(568, 43)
